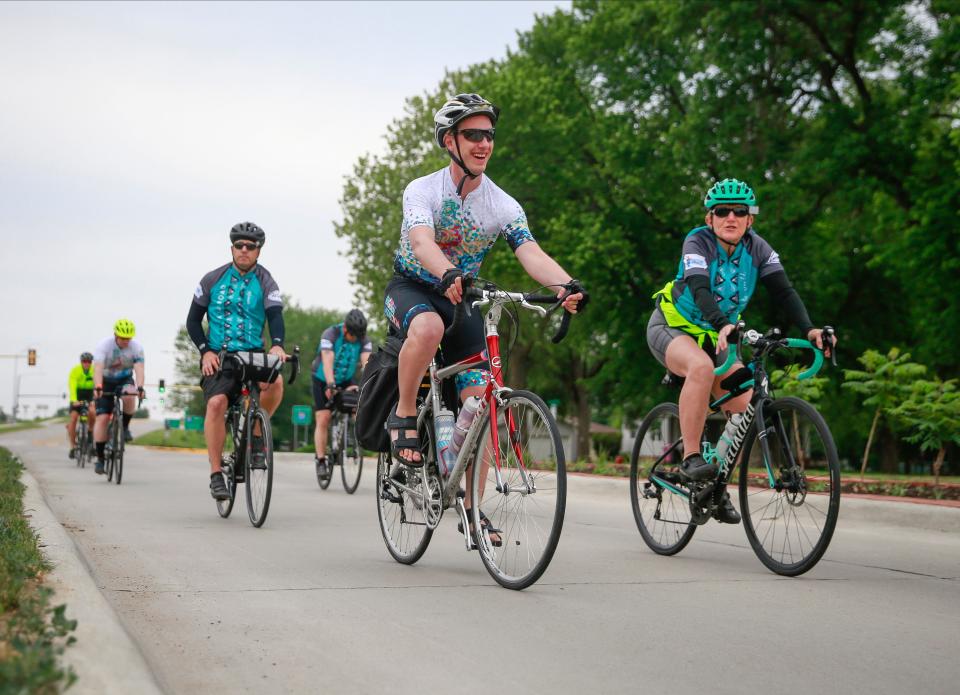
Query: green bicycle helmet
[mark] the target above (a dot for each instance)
(124, 328)
(731, 191)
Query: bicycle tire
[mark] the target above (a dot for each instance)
(259, 481)
(650, 499)
(118, 448)
(402, 519)
(529, 523)
(323, 479)
(793, 550)
(80, 443)
(224, 507)
(351, 457)
(109, 460)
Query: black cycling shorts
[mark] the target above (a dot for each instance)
(110, 386)
(320, 400)
(405, 298)
(226, 382)
(83, 395)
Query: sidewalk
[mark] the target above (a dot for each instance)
(104, 657)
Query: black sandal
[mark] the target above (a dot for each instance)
(401, 425)
(488, 527)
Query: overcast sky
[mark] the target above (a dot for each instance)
(134, 135)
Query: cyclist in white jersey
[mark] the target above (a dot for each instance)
(117, 366)
(451, 219)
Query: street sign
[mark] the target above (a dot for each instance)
(172, 423)
(193, 422)
(302, 414)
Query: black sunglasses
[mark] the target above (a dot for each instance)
(725, 212)
(246, 246)
(478, 134)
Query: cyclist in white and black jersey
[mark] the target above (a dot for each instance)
(118, 365)
(451, 219)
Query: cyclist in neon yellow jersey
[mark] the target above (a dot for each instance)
(80, 389)
(696, 312)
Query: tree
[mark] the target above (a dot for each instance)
(885, 384)
(931, 414)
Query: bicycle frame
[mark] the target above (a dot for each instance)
(761, 398)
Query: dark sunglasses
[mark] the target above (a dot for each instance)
(725, 212)
(246, 246)
(478, 134)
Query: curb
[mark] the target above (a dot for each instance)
(104, 657)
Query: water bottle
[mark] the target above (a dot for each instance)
(726, 437)
(443, 428)
(468, 411)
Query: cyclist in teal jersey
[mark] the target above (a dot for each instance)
(342, 348)
(238, 299)
(697, 311)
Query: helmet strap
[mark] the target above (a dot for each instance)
(458, 159)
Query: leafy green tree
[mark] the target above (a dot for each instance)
(884, 383)
(931, 414)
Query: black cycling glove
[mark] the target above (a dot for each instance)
(574, 287)
(449, 278)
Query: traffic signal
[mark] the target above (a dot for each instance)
(32, 357)
(160, 386)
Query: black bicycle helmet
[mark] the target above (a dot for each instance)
(248, 231)
(356, 323)
(86, 357)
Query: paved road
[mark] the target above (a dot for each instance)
(312, 602)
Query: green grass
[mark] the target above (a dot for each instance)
(17, 426)
(176, 439)
(33, 635)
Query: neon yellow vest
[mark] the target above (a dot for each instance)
(676, 320)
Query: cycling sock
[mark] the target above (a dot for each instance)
(126, 420)
(100, 447)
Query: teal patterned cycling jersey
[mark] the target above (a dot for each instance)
(733, 277)
(117, 362)
(346, 355)
(236, 305)
(464, 230)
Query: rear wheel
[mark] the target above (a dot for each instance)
(661, 512)
(527, 502)
(790, 504)
(259, 471)
(351, 456)
(400, 503)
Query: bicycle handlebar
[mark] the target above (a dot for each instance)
(477, 297)
(771, 342)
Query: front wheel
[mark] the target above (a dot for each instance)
(119, 442)
(80, 444)
(259, 467)
(526, 502)
(661, 510)
(791, 502)
(351, 457)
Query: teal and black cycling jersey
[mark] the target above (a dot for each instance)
(237, 305)
(733, 277)
(346, 354)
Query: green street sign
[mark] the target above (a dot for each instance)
(193, 422)
(302, 414)
(172, 423)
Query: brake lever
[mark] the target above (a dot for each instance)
(830, 335)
